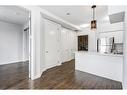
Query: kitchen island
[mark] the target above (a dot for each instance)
(105, 65)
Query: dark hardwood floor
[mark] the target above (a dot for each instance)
(12, 74)
(60, 77)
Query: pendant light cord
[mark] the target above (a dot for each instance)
(93, 13)
(93, 7)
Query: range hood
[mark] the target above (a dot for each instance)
(117, 17)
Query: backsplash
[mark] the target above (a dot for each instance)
(118, 48)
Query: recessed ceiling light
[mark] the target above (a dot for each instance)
(67, 13)
(84, 25)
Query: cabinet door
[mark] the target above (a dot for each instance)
(118, 37)
(68, 44)
(64, 50)
(73, 44)
(51, 44)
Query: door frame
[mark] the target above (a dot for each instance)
(30, 38)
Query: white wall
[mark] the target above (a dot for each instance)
(42, 45)
(35, 43)
(25, 45)
(11, 37)
(125, 54)
(26, 42)
(26, 24)
(91, 38)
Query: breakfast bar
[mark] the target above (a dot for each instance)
(104, 65)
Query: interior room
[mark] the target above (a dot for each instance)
(69, 47)
(14, 45)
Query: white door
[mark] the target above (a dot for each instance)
(74, 44)
(68, 44)
(26, 45)
(64, 44)
(52, 49)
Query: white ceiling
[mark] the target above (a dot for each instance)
(79, 14)
(14, 14)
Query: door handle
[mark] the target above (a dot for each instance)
(46, 51)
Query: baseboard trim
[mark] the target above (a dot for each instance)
(67, 61)
(44, 69)
(36, 77)
(13, 62)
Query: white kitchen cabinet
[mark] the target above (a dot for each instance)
(118, 36)
(110, 27)
(112, 30)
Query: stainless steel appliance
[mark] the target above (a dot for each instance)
(105, 45)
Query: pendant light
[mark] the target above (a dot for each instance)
(93, 22)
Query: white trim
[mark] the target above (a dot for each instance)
(12, 62)
(36, 77)
(43, 70)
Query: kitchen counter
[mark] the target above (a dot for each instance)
(104, 65)
(100, 54)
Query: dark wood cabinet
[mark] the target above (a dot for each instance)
(83, 43)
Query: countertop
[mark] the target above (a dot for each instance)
(97, 53)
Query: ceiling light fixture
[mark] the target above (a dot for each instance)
(93, 22)
(84, 25)
(68, 14)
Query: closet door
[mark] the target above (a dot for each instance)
(64, 52)
(70, 39)
(52, 55)
(73, 42)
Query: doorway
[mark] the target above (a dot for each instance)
(15, 45)
(83, 43)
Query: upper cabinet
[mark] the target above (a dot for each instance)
(110, 27)
(116, 14)
(68, 44)
(115, 30)
(118, 36)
